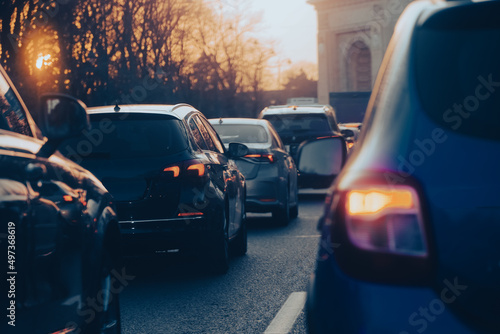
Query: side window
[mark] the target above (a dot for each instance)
(205, 134)
(218, 144)
(196, 134)
(12, 115)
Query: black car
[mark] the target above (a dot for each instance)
(296, 124)
(411, 232)
(270, 173)
(59, 235)
(176, 187)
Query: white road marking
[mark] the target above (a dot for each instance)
(285, 319)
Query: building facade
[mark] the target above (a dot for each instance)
(352, 38)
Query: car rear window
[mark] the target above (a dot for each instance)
(241, 133)
(116, 136)
(299, 124)
(458, 77)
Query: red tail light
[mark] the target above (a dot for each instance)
(197, 169)
(175, 170)
(189, 168)
(260, 157)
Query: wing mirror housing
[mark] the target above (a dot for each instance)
(237, 150)
(320, 160)
(61, 117)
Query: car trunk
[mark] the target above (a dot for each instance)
(140, 187)
(249, 166)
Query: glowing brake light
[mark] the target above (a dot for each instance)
(68, 198)
(187, 168)
(375, 200)
(261, 157)
(190, 214)
(199, 168)
(174, 169)
(386, 219)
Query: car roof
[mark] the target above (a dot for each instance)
(296, 109)
(250, 121)
(177, 110)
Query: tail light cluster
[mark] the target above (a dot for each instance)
(381, 231)
(189, 168)
(269, 158)
(386, 219)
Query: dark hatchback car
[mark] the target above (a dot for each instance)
(270, 172)
(177, 188)
(411, 232)
(59, 236)
(297, 123)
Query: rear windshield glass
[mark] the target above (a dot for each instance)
(241, 133)
(458, 79)
(297, 124)
(134, 136)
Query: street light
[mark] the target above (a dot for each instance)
(43, 60)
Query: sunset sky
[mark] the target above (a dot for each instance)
(293, 24)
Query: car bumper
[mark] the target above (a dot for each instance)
(164, 236)
(338, 303)
(264, 194)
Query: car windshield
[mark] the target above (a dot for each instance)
(134, 136)
(12, 116)
(458, 78)
(241, 133)
(299, 124)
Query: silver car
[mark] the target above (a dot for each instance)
(270, 172)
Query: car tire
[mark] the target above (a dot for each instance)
(240, 243)
(219, 255)
(294, 211)
(282, 214)
(108, 320)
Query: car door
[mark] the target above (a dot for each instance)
(232, 179)
(287, 164)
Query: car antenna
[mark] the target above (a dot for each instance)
(117, 108)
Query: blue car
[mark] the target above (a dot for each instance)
(410, 235)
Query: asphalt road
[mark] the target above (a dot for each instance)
(173, 296)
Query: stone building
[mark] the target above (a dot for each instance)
(352, 38)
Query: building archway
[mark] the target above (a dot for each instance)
(359, 67)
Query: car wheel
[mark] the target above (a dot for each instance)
(107, 320)
(240, 243)
(282, 214)
(220, 252)
(294, 211)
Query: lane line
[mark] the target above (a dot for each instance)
(285, 319)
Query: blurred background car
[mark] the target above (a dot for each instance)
(410, 236)
(59, 232)
(177, 188)
(297, 123)
(350, 135)
(270, 172)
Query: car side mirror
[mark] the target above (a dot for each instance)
(319, 161)
(237, 150)
(61, 117)
(347, 133)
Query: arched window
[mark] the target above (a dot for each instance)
(359, 67)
